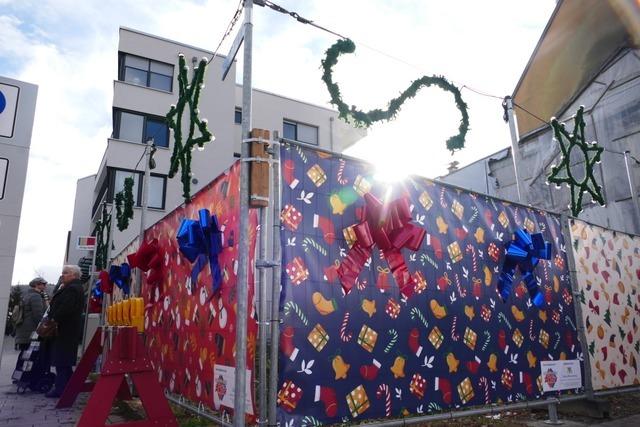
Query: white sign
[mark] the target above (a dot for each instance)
(4, 171)
(560, 375)
(8, 108)
(224, 383)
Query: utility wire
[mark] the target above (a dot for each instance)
(232, 23)
(296, 16)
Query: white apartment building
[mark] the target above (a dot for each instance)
(145, 88)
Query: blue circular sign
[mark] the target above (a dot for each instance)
(3, 102)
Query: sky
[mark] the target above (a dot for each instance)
(69, 49)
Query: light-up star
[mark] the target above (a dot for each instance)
(189, 94)
(575, 144)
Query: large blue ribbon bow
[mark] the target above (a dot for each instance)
(121, 275)
(524, 252)
(201, 240)
(97, 289)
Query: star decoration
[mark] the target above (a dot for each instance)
(189, 95)
(590, 153)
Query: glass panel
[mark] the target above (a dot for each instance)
(159, 81)
(137, 62)
(160, 68)
(119, 184)
(135, 76)
(308, 134)
(156, 192)
(237, 117)
(130, 127)
(289, 131)
(157, 130)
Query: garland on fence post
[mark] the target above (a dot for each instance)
(362, 119)
(125, 196)
(189, 94)
(590, 155)
(102, 244)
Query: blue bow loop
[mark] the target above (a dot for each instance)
(120, 275)
(200, 241)
(97, 290)
(524, 252)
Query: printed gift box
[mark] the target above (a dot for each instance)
(493, 251)
(289, 396)
(507, 378)
(367, 338)
(470, 338)
(349, 235)
(476, 287)
(297, 271)
(361, 185)
(317, 175)
(357, 401)
(454, 252)
(420, 282)
(566, 296)
(392, 308)
(465, 390)
(543, 338)
(485, 313)
(457, 209)
(291, 217)
(436, 338)
(418, 385)
(425, 200)
(529, 225)
(503, 219)
(517, 337)
(318, 337)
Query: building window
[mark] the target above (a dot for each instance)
(237, 117)
(136, 127)
(145, 72)
(157, 187)
(300, 132)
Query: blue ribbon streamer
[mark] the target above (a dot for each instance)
(97, 290)
(200, 241)
(121, 275)
(524, 252)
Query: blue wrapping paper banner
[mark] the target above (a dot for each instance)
(121, 275)
(374, 354)
(201, 241)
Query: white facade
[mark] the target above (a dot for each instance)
(138, 110)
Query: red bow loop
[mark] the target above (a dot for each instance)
(148, 258)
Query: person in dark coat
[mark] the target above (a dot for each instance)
(33, 307)
(66, 309)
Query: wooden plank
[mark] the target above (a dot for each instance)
(259, 171)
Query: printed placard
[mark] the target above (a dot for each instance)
(560, 375)
(4, 171)
(8, 108)
(224, 381)
(86, 243)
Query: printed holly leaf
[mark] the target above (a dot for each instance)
(622, 333)
(637, 346)
(607, 317)
(592, 348)
(629, 301)
(582, 298)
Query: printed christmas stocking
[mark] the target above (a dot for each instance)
(444, 385)
(370, 372)
(328, 396)
(326, 226)
(286, 343)
(414, 342)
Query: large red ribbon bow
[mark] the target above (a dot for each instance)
(387, 226)
(148, 258)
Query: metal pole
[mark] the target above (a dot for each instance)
(552, 408)
(243, 249)
(634, 192)
(515, 152)
(137, 290)
(264, 323)
(275, 286)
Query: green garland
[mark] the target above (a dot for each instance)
(125, 196)
(362, 119)
(189, 94)
(102, 244)
(575, 141)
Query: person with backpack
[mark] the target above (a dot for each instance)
(27, 315)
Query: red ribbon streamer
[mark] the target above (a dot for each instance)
(387, 226)
(148, 258)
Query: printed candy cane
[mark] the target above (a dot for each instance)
(426, 259)
(392, 342)
(415, 312)
(474, 216)
(341, 179)
(443, 202)
(301, 153)
(308, 242)
(555, 344)
(532, 337)
(516, 216)
(546, 271)
(461, 291)
(493, 204)
(454, 335)
(474, 260)
(344, 335)
(292, 306)
(504, 319)
(484, 383)
(487, 340)
(383, 391)
(568, 321)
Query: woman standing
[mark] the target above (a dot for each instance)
(33, 307)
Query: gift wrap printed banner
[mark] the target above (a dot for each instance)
(189, 328)
(421, 329)
(608, 273)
